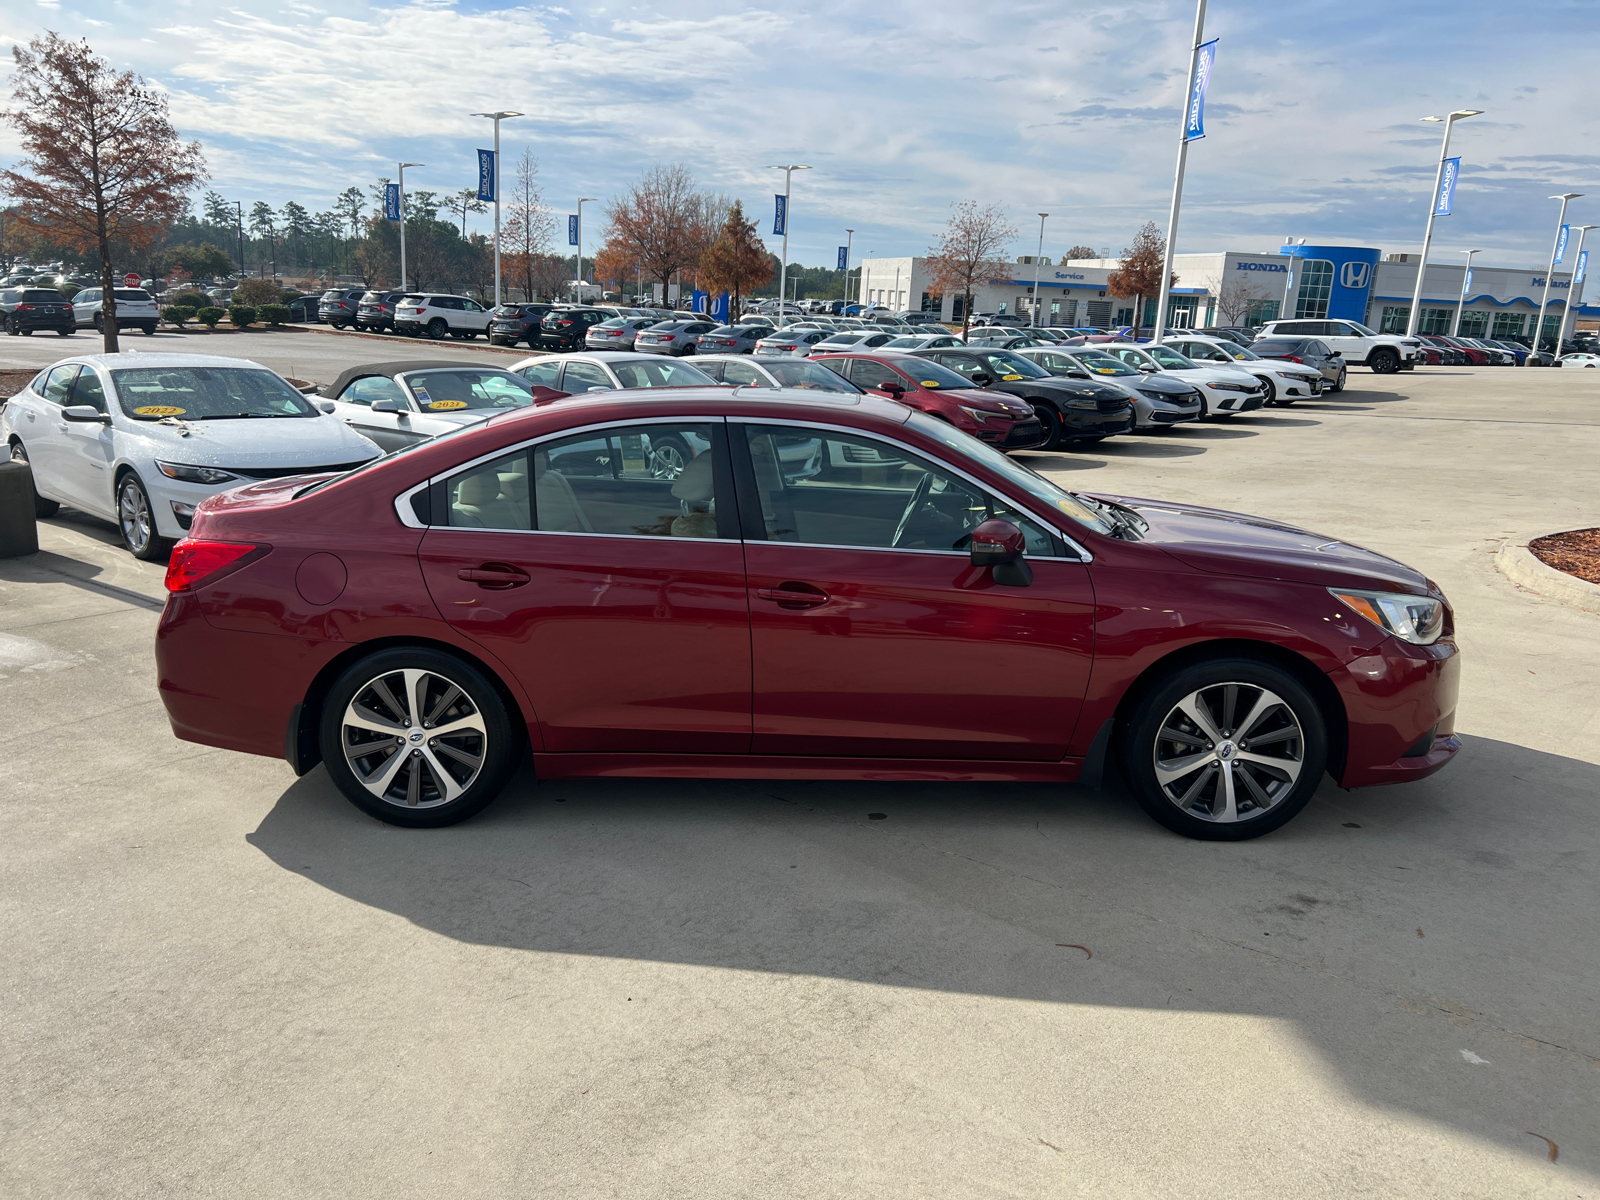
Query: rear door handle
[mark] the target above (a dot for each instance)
(494, 575)
(795, 595)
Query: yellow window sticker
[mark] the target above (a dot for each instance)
(1010, 378)
(440, 405)
(933, 383)
(1106, 370)
(159, 410)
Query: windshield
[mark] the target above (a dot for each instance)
(803, 373)
(1170, 358)
(1101, 363)
(1036, 485)
(1362, 329)
(206, 394)
(1010, 366)
(614, 323)
(654, 373)
(933, 377)
(455, 390)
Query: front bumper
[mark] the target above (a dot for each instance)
(1025, 433)
(1400, 711)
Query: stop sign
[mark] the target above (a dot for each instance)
(130, 280)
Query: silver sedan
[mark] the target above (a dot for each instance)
(617, 333)
(732, 339)
(798, 344)
(671, 337)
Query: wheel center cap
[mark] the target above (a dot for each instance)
(416, 737)
(1225, 751)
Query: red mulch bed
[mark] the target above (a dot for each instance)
(1576, 553)
(12, 382)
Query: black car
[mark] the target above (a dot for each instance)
(1241, 334)
(338, 306)
(566, 328)
(375, 310)
(303, 310)
(27, 309)
(1070, 410)
(1308, 352)
(513, 323)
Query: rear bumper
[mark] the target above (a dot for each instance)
(1400, 709)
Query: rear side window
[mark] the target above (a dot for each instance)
(542, 373)
(640, 481)
(492, 496)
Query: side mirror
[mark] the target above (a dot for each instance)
(1149, 368)
(86, 413)
(1077, 374)
(983, 379)
(1335, 353)
(327, 406)
(998, 545)
(892, 388)
(389, 406)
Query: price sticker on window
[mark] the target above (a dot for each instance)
(632, 453)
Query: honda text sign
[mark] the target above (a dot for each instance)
(1447, 187)
(780, 219)
(1195, 128)
(572, 230)
(486, 175)
(391, 201)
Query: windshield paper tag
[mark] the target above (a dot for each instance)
(632, 452)
(422, 395)
(159, 410)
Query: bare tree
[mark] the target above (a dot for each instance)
(1140, 273)
(104, 163)
(660, 222)
(549, 274)
(1234, 299)
(465, 201)
(527, 229)
(1079, 251)
(969, 252)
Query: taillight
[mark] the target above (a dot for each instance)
(193, 562)
(563, 324)
(788, 347)
(24, 308)
(1294, 358)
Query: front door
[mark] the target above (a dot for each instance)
(87, 451)
(44, 431)
(872, 635)
(354, 407)
(614, 587)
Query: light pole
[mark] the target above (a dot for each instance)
(1415, 316)
(849, 241)
(1466, 282)
(1538, 322)
(577, 288)
(1288, 280)
(403, 167)
(239, 208)
(497, 117)
(1036, 260)
(1574, 289)
(783, 263)
(1190, 100)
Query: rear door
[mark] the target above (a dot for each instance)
(44, 432)
(613, 587)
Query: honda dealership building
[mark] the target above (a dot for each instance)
(1355, 283)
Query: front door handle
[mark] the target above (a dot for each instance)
(794, 595)
(494, 575)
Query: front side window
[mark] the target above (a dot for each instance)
(1097, 362)
(657, 372)
(1169, 358)
(742, 375)
(89, 390)
(838, 489)
(640, 481)
(206, 394)
(583, 377)
(58, 387)
(372, 388)
(809, 376)
(1008, 366)
(865, 373)
(542, 373)
(454, 390)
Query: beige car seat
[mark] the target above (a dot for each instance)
(479, 502)
(555, 503)
(695, 489)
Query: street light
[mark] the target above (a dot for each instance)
(403, 167)
(1466, 282)
(1036, 260)
(1538, 322)
(783, 264)
(1574, 289)
(577, 288)
(1433, 204)
(497, 117)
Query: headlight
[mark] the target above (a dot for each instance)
(1415, 619)
(977, 414)
(1231, 387)
(190, 474)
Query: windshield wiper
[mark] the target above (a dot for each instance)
(1123, 519)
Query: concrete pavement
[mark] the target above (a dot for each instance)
(222, 980)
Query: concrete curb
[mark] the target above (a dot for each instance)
(1520, 565)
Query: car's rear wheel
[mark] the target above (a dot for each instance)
(417, 737)
(1050, 422)
(1383, 362)
(437, 328)
(149, 330)
(41, 506)
(1225, 750)
(99, 323)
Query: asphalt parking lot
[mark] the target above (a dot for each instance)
(224, 980)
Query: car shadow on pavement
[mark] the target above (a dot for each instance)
(1218, 433)
(1059, 460)
(1396, 930)
(1278, 422)
(1144, 448)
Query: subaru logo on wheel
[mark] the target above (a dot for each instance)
(1355, 275)
(416, 736)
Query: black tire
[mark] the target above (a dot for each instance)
(1383, 362)
(100, 323)
(1272, 396)
(1338, 384)
(1284, 777)
(136, 521)
(1050, 422)
(496, 742)
(149, 330)
(67, 331)
(12, 328)
(27, 333)
(41, 506)
(437, 328)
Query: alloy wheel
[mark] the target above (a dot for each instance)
(133, 515)
(1228, 752)
(414, 738)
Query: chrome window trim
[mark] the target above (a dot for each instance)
(988, 489)
(634, 537)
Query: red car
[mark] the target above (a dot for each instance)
(831, 587)
(991, 417)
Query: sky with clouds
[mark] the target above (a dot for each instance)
(901, 107)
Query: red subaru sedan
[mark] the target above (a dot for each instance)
(827, 587)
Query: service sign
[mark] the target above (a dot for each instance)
(844, 257)
(572, 230)
(1195, 128)
(780, 220)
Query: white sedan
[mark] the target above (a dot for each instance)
(1579, 360)
(1224, 391)
(141, 439)
(1286, 382)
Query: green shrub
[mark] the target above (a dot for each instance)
(194, 300)
(242, 315)
(273, 314)
(177, 314)
(210, 316)
(258, 292)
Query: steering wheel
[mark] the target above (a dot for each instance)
(917, 497)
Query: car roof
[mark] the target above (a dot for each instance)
(134, 358)
(391, 369)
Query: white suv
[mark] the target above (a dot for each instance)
(439, 315)
(134, 307)
(1385, 353)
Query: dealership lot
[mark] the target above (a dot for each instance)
(226, 980)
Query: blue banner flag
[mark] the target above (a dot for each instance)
(1195, 129)
(391, 201)
(1583, 266)
(1447, 187)
(844, 258)
(572, 230)
(1466, 284)
(1561, 244)
(780, 222)
(486, 176)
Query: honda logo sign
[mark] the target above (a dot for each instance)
(1355, 275)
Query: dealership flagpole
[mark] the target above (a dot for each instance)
(1544, 298)
(1184, 138)
(783, 266)
(1037, 259)
(1466, 282)
(1414, 318)
(402, 194)
(1574, 288)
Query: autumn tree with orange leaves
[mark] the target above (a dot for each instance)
(102, 163)
(737, 261)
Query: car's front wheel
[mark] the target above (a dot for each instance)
(137, 522)
(1225, 750)
(1050, 422)
(1272, 393)
(417, 737)
(1383, 362)
(41, 506)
